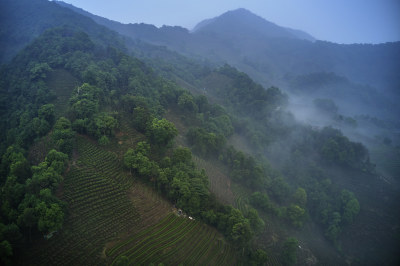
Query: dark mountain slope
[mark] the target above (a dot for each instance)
(146, 32)
(23, 20)
(125, 84)
(269, 53)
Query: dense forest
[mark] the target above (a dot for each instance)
(119, 152)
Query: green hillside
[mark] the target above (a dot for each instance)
(108, 159)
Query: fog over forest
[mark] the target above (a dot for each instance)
(238, 141)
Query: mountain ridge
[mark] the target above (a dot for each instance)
(266, 59)
(246, 21)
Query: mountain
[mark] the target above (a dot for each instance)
(241, 22)
(24, 20)
(118, 160)
(270, 53)
(145, 32)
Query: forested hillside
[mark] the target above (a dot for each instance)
(118, 152)
(268, 52)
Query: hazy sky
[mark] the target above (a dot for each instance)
(341, 21)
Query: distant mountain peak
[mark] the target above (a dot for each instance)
(244, 22)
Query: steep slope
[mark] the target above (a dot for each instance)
(99, 204)
(123, 86)
(23, 20)
(273, 55)
(142, 31)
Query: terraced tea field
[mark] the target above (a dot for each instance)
(109, 215)
(99, 209)
(241, 197)
(174, 240)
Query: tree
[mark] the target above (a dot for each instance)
(63, 135)
(288, 255)
(300, 197)
(46, 112)
(57, 160)
(204, 142)
(50, 218)
(256, 223)
(350, 210)
(279, 188)
(138, 159)
(129, 159)
(39, 71)
(106, 123)
(295, 214)
(182, 155)
(241, 233)
(258, 257)
(260, 200)
(40, 126)
(84, 103)
(84, 108)
(334, 229)
(14, 163)
(161, 132)
(103, 140)
(187, 103)
(43, 177)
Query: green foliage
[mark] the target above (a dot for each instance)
(187, 103)
(50, 217)
(14, 163)
(350, 207)
(63, 135)
(334, 229)
(40, 126)
(235, 226)
(288, 255)
(142, 118)
(220, 124)
(295, 215)
(161, 132)
(261, 200)
(205, 143)
(258, 257)
(300, 197)
(56, 160)
(84, 102)
(46, 112)
(248, 97)
(182, 155)
(105, 123)
(256, 223)
(244, 168)
(280, 188)
(338, 149)
(103, 140)
(241, 233)
(39, 71)
(113, 81)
